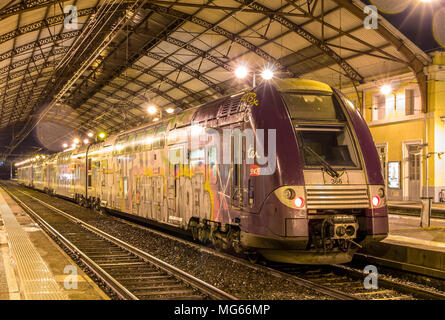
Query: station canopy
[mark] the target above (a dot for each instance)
(62, 75)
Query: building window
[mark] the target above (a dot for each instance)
(410, 102)
(378, 107)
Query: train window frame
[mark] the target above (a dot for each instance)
(355, 155)
(129, 143)
(138, 141)
(340, 114)
(160, 133)
(148, 140)
(119, 141)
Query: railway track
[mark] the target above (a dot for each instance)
(350, 281)
(335, 281)
(128, 272)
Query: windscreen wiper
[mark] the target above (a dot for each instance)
(330, 170)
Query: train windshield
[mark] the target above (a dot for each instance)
(327, 147)
(322, 131)
(312, 107)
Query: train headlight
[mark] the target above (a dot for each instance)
(375, 201)
(289, 194)
(299, 202)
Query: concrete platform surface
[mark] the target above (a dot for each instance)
(438, 206)
(32, 266)
(421, 250)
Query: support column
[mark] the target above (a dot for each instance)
(436, 124)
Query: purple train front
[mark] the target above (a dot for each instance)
(327, 193)
(288, 171)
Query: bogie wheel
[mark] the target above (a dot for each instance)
(253, 257)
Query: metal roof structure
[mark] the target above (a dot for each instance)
(124, 54)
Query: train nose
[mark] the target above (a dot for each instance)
(284, 212)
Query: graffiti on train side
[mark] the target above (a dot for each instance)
(163, 193)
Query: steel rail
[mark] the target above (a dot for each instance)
(194, 282)
(117, 288)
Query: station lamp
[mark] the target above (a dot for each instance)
(242, 71)
(170, 110)
(86, 141)
(102, 135)
(90, 134)
(152, 109)
(386, 89)
(65, 145)
(76, 141)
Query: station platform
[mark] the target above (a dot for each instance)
(410, 247)
(438, 207)
(32, 266)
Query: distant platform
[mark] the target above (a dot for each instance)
(32, 266)
(412, 248)
(416, 205)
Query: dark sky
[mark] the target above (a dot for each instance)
(416, 22)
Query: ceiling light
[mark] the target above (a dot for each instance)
(386, 89)
(65, 145)
(90, 134)
(241, 72)
(267, 74)
(76, 141)
(170, 110)
(152, 109)
(86, 141)
(102, 135)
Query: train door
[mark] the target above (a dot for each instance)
(183, 185)
(414, 157)
(237, 168)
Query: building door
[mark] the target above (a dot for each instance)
(382, 150)
(414, 159)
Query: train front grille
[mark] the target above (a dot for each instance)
(337, 197)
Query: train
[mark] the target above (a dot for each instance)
(286, 171)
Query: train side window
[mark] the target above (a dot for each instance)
(211, 171)
(148, 141)
(159, 141)
(129, 144)
(139, 141)
(119, 146)
(89, 181)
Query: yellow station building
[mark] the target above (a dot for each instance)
(410, 139)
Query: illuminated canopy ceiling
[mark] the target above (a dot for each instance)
(125, 54)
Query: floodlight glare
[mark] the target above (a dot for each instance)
(386, 89)
(267, 74)
(152, 109)
(241, 72)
